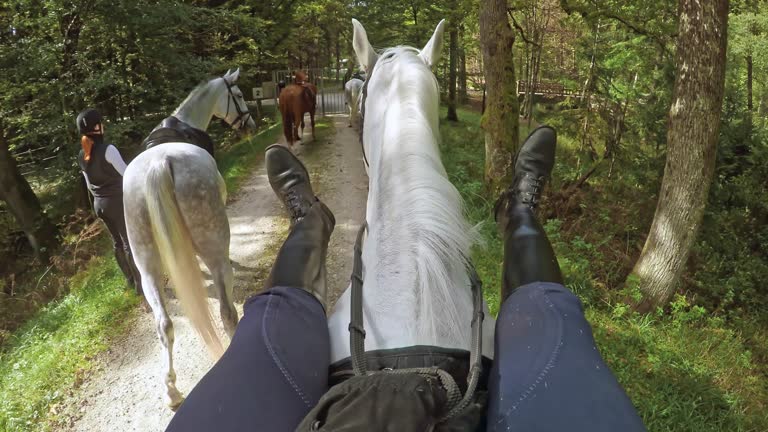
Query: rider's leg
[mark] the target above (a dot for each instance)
(110, 210)
(547, 374)
(276, 367)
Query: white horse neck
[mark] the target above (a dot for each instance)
(416, 252)
(197, 109)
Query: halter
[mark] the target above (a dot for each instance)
(242, 116)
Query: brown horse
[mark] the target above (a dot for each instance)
(296, 99)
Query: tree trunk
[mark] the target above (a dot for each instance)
(454, 48)
(338, 56)
(24, 205)
(462, 76)
(500, 120)
(749, 84)
(694, 123)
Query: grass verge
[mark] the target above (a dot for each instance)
(50, 354)
(684, 368)
(236, 161)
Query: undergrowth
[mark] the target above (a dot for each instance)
(685, 367)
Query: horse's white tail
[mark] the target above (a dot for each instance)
(178, 253)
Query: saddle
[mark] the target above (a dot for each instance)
(172, 129)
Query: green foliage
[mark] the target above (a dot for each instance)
(687, 368)
(463, 156)
(683, 372)
(236, 161)
(50, 352)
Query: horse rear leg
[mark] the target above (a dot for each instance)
(298, 120)
(288, 129)
(223, 280)
(208, 227)
(152, 280)
(312, 120)
(150, 267)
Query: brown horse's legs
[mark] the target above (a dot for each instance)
(312, 120)
(288, 129)
(297, 120)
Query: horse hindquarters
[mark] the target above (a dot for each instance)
(177, 251)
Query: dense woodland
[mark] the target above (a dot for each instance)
(659, 203)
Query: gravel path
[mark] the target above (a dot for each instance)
(123, 393)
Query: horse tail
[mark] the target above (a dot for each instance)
(177, 252)
(288, 125)
(287, 116)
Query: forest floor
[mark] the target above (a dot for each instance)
(124, 392)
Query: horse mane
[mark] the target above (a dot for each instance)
(421, 206)
(201, 91)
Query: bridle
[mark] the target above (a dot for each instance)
(363, 97)
(242, 116)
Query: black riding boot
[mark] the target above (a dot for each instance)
(528, 255)
(125, 262)
(300, 263)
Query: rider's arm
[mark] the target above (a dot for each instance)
(112, 155)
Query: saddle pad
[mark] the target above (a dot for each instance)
(453, 361)
(174, 130)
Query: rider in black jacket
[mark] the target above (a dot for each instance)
(103, 167)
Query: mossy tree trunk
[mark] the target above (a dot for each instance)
(454, 53)
(24, 205)
(500, 120)
(694, 124)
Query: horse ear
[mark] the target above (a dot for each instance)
(431, 52)
(234, 76)
(366, 56)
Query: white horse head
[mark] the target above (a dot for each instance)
(220, 98)
(416, 284)
(419, 88)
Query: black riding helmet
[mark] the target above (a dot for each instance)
(88, 122)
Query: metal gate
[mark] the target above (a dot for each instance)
(330, 91)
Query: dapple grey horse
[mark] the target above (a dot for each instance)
(352, 91)
(174, 201)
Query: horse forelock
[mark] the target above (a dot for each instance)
(418, 232)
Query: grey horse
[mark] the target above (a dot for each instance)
(352, 92)
(174, 200)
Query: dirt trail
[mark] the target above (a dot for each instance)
(124, 392)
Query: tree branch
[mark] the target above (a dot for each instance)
(520, 29)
